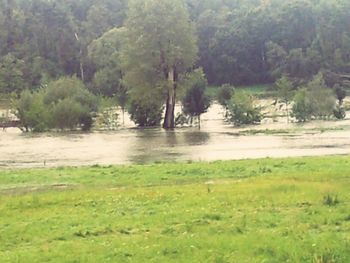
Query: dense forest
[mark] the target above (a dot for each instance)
(238, 42)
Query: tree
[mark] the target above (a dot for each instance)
(285, 92)
(224, 95)
(105, 53)
(160, 46)
(196, 102)
(12, 77)
(322, 99)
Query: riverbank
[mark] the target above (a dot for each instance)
(271, 210)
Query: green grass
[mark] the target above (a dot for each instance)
(269, 210)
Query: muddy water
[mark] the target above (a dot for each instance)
(215, 141)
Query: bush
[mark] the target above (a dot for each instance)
(195, 102)
(146, 114)
(241, 110)
(224, 95)
(301, 108)
(32, 112)
(63, 104)
(66, 114)
(315, 101)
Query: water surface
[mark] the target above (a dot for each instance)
(215, 141)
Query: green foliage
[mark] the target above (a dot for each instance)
(63, 104)
(195, 101)
(12, 78)
(284, 89)
(32, 112)
(321, 98)
(66, 114)
(105, 53)
(146, 113)
(224, 94)
(285, 92)
(160, 46)
(315, 101)
(301, 110)
(242, 109)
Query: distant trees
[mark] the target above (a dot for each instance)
(139, 51)
(12, 74)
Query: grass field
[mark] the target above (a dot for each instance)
(270, 210)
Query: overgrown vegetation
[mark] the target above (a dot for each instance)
(63, 104)
(123, 50)
(242, 109)
(255, 210)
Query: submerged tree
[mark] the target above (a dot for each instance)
(285, 92)
(196, 102)
(160, 45)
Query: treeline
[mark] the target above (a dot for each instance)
(240, 42)
(104, 43)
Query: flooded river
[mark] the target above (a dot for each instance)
(215, 141)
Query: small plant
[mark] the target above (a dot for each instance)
(242, 110)
(326, 258)
(330, 200)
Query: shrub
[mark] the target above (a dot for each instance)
(315, 101)
(241, 110)
(301, 108)
(196, 102)
(32, 112)
(66, 114)
(63, 104)
(70, 103)
(146, 114)
(224, 94)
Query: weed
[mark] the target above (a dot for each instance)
(330, 200)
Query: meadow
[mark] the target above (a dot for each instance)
(267, 210)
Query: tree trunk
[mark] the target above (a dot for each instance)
(169, 120)
(199, 121)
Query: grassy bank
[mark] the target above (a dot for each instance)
(270, 210)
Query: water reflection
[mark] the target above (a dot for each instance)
(154, 145)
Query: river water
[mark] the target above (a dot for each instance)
(215, 141)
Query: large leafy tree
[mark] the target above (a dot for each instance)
(160, 46)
